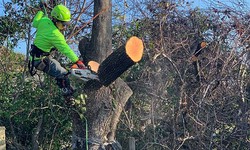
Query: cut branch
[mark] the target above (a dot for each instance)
(120, 60)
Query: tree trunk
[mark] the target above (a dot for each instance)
(35, 137)
(104, 106)
(101, 40)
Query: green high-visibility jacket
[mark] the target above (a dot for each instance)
(49, 36)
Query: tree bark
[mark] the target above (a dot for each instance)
(121, 95)
(104, 106)
(35, 137)
(101, 40)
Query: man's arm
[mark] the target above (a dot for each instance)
(60, 43)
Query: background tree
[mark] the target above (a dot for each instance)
(196, 113)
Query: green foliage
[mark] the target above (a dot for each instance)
(25, 102)
(16, 22)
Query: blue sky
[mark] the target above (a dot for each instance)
(21, 48)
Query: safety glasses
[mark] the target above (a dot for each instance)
(65, 23)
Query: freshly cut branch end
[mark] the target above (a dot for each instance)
(203, 44)
(134, 48)
(94, 66)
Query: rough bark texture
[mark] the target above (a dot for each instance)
(35, 137)
(79, 135)
(101, 40)
(84, 48)
(104, 106)
(121, 94)
(114, 65)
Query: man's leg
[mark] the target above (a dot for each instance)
(54, 69)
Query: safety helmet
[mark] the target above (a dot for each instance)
(61, 13)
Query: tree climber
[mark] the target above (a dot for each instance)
(48, 38)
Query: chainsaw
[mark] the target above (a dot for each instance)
(84, 74)
(89, 75)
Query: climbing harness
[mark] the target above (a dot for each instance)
(37, 54)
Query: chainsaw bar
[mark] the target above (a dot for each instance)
(84, 74)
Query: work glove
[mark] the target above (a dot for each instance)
(79, 64)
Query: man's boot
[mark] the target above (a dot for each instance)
(64, 85)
